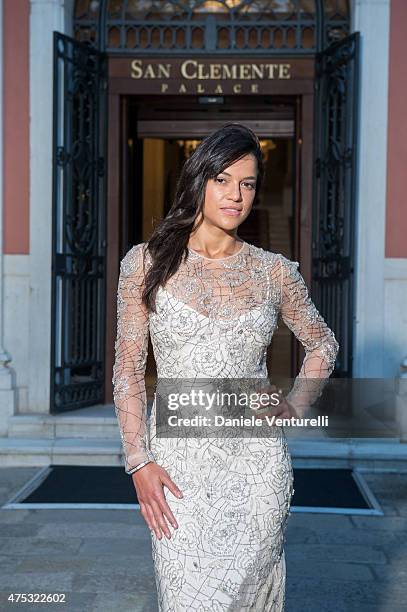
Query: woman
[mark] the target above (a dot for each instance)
(211, 303)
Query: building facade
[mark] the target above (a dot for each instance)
(102, 101)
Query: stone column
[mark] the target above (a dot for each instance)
(7, 379)
(372, 19)
(46, 16)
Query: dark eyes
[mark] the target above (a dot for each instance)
(248, 185)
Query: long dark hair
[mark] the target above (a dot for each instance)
(168, 242)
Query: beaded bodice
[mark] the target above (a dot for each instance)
(214, 318)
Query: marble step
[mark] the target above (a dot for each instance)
(372, 455)
(92, 422)
(40, 452)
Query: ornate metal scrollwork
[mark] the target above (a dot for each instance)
(334, 194)
(79, 228)
(286, 27)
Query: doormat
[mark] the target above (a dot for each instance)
(341, 491)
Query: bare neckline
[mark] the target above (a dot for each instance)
(219, 258)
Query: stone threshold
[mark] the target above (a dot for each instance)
(380, 455)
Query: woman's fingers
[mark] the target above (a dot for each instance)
(270, 390)
(159, 517)
(166, 510)
(170, 484)
(282, 411)
(153, 504)
(156, 526)
(151, 520)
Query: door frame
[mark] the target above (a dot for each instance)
(303, 180)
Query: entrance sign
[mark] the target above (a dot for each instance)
(206, 76)
(192, 69)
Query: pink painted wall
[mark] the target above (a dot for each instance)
(16, 130)
(396, 209)
(16, 126)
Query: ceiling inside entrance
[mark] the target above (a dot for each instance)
(177, 117)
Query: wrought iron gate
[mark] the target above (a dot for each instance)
(79, 225)
(334, 191)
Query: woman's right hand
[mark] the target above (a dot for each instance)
(149, 482)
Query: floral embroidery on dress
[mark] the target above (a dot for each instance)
(215, 319)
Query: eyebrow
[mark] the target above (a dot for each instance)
(243, 179)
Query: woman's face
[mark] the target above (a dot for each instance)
(229, 196)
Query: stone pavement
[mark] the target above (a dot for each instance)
(101, 559)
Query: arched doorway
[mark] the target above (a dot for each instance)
(93, 74)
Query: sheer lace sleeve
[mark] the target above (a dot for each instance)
(302, 317)
(131, 348)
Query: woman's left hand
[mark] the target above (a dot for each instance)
(282, 410)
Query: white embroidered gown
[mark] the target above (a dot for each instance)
(215, 319)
